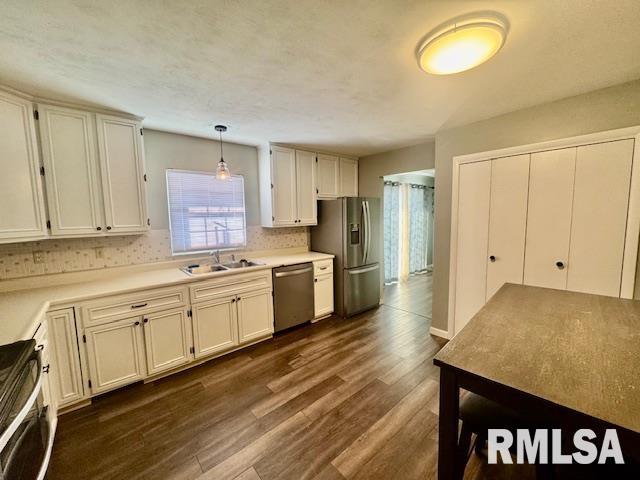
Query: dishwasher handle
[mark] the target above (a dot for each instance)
(293, 272)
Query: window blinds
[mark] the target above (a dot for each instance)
(205, 213)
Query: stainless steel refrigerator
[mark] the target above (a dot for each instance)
(349, 228)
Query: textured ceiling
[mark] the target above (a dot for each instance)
(336, 75)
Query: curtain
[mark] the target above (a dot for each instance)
(391, 202)
(418, 222)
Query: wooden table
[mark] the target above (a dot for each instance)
(572, 357)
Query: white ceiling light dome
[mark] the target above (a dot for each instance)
(462, 44)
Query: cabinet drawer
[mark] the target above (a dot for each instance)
(107, 309)
(230, 285)
(321, 267)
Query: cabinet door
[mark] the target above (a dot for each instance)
(122, 166)
(116, 354)
(215, 326)
(255, 315)
(328, 176)
(66, 373)
(21, 201)
(167, 338)
(507, 221)
(70, 160)
(474, 186)
(306, 188)
(283, 181)
(323, 295)
(549, 218)
(599, 220)
(348, 177)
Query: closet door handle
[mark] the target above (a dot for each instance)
(560, 265)
(492, 258)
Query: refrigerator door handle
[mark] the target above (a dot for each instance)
(365, 229)
(368, 229)
(358, 271)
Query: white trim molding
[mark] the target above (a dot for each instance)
(439, 333)
(633, 216)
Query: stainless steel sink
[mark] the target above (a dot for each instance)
(242, 264)
(202, 269)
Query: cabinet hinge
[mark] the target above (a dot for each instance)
(49, 224)
(273, 219)
(149, 221)
(192, 349)
(316, 159)
(89, 382)
(36, 115)
(317, 191)
(272, 185)
(84, 339)
(141, 133)
(42, 171)
(270, 152)
(189, 313)
(145, 177)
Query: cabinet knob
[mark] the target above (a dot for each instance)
(45, 369)
(146, 320)
(39, 348)
(239, 298)
(137, 323)
(315, 280)
(492, 258)
(98, 228)
(560, 265)
(233, 300)
(108, 227)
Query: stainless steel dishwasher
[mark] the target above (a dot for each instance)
(292, 295)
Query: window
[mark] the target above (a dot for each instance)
(205, 213)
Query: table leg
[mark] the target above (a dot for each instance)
(448, 425)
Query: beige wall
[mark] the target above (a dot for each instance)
(170, 150)
(409, 159)
(605, 109)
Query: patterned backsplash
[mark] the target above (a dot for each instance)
(77, 254)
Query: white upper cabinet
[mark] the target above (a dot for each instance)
(328, 176)
(22, 213)
(70, 160)
(348, 177)
(122, 162)
(283, 186)
(306, 205)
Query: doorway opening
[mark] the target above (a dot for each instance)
(408, 200)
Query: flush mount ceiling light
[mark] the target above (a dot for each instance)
(462, 45)
(222, 170)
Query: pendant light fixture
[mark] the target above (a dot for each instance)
(222, 171)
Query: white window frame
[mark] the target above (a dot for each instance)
(207, 250)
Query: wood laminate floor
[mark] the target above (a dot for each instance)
(413, 295)
(339, 399)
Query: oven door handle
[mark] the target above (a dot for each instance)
(37, 386)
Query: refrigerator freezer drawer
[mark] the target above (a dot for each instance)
(361, 289)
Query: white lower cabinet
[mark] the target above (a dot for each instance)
(116, 354)
(255, 315)
(323, 295)
(215, 326)
(167, 339)
(65, 363)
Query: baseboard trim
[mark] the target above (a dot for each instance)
(439, 333)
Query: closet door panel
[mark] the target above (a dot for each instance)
(474, 185)
(600, 201)
(507, 221)
(549, 218)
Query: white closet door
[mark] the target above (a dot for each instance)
(306, 188)
(21, 199)
(549, 218)
(122, 161)
(474, 185)
(507, 221)
(71, 164)
(600, 201)
(283, 190)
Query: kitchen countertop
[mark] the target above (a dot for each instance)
(21, 310)
(576, 350)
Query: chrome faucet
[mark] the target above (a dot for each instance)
(216, 255)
